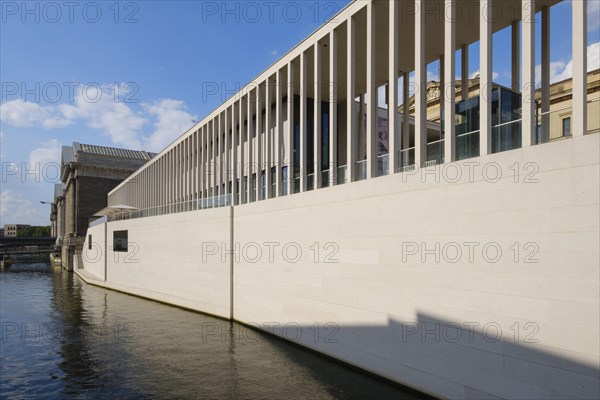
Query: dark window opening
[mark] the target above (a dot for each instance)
(120, 241)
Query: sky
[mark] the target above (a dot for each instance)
(138, 74)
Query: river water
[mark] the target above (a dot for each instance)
(62, 338)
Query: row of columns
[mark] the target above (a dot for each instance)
(186, 171)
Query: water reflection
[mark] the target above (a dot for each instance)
(86, 342)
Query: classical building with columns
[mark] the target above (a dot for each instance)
(88, 174)
(451, 249)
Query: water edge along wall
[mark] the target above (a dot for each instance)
(518, 320)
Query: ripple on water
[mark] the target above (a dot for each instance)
(87, 342)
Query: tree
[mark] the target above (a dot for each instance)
(34, 231)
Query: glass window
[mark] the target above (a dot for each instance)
(566, 126)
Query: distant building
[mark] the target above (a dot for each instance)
(553, 122)
(12, 230)
(57, 213)
(88, 173)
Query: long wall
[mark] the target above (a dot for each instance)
(478, 286)
(164, 261)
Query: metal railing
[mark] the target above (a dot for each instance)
(98, 221)
(224, 200)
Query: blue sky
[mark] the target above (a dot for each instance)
(134, 74)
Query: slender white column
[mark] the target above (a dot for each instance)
(317, 130)
(528, 64)
(172, 174)
(464, 72)
(421, 81)
(268, 138)
(234, 151)
(361, 134)
(278, 132)
(203, 172)
(333, 104)
(485, 77)
(187, 169)
(180, 173)
(351, 140)
(516, 56)
(193, 164)
(579, 120)
(442, 76)
(290, 132)
(405, 114)
(303, 97)
(545, 128)
(214, 160)
(221, 151)
(226, 152)
(177, 171)
(372, 134)
(241, 166)
(201, 163)
(259, 145)
(393, 87)
(251, 106)
(448, 91)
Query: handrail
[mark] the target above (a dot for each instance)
(507, 123)
(468, 133)
(224, 200)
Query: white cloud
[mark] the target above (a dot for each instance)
(49, 152)
(117, 119)
(593, 15)
(560, 70)
(274, 53)
(475, 74)
(171, 121)
(25, 114)
(14, 205)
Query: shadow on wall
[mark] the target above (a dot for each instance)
(456, 360)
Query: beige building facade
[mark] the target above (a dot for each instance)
(464, 265)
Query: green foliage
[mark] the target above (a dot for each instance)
(34, 231)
